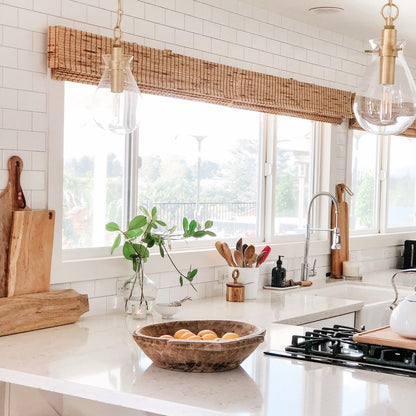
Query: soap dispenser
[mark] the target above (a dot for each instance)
(278, 274)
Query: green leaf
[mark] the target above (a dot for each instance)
(181, 280)
(199, 234)
(144, 210)
(161, 223)
(154, 212)
(134, 233)
(112, 226)
(208, 224)
(192, 274)
(128, 251)
(141, 250)
(116, 243)
(192, 226)
(210, 233)
(185, 223)
(137, 222)
(161, 251)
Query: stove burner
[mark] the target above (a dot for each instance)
(336, 346)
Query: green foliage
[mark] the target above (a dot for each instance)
(364, 200)
(147, 230)
(285, 198)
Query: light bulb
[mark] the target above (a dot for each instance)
(386, 108)
(117, 99)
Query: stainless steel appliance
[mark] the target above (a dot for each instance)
(336, 346)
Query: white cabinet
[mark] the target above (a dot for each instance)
(25, 401)
(347, 320)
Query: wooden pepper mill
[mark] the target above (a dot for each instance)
(235, 290)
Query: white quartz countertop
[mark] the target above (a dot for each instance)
(97, 358)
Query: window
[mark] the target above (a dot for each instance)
(193, 159)
(384, 182)
(294, 174)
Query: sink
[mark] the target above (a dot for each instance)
(375, 312)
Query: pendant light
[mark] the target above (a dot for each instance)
(117, 99)
(386, 103)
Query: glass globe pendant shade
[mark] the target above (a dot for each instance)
(386, 108)
(117, 99)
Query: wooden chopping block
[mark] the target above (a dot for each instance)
(339, 256)
(41, 310)
(11, 199)
(30, 252)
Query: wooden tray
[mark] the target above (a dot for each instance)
(385, 336)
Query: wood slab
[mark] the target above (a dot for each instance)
(339, 256)
(11, 199)
(41, 310)
(30, 252)
(385, 336)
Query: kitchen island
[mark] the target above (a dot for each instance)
(94, 367)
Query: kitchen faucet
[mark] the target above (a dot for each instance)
(306, 270)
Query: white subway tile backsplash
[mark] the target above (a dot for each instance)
(8, 98)
(184, 38)
(177, 20)
(84, 288)
(74, 10)
(105, 287)
(8, 15)
(31, 20)
(47, 6)
(33, 180)
(98, 17)
(144, 28)
(17, 120)
(23, 154)
(8, 139)
(8, 56)
(17, 38)
(193, 24)
(202, 43)
(39, 200)
(164, 34)
(39, 161)
(18, 79)
(186, 6)
(32, 101)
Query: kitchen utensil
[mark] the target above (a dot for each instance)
(341, 255)
(199, 356)
(402, 319)
(263, 255)
(239, 245)
(235, 290)
(228, 255)
(385, 336)
(239, 258)
(41, 310)
(167, 310)
(11, 199)
(244, 248)
(291, 282)
(30, 253)
(218, 246)
(248, 256)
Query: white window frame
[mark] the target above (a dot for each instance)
(97, 263)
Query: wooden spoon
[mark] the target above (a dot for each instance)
(239, 245)
(239, 258)
(228, 255)
(218, 246)
(248, 255)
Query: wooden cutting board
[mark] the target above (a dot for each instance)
(339, 256)
(385, 336)
(11, 199)
(30, 253)
(41, 310)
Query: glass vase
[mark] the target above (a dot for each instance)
(139, 294)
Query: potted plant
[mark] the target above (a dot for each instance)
(145, 231)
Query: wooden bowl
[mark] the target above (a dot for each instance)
(199, 356)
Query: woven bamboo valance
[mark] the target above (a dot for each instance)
(74, 55)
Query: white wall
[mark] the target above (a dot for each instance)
(226, 31)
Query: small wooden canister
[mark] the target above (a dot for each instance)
(235, 290)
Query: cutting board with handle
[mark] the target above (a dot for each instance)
(11, 199)
(385, 336)
(30, 255)
(339, 256)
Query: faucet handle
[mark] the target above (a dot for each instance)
(312, 271)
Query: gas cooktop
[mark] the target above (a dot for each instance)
(336, 346)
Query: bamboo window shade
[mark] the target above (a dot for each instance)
(75, 55)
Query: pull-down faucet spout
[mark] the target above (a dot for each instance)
(306, 270)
